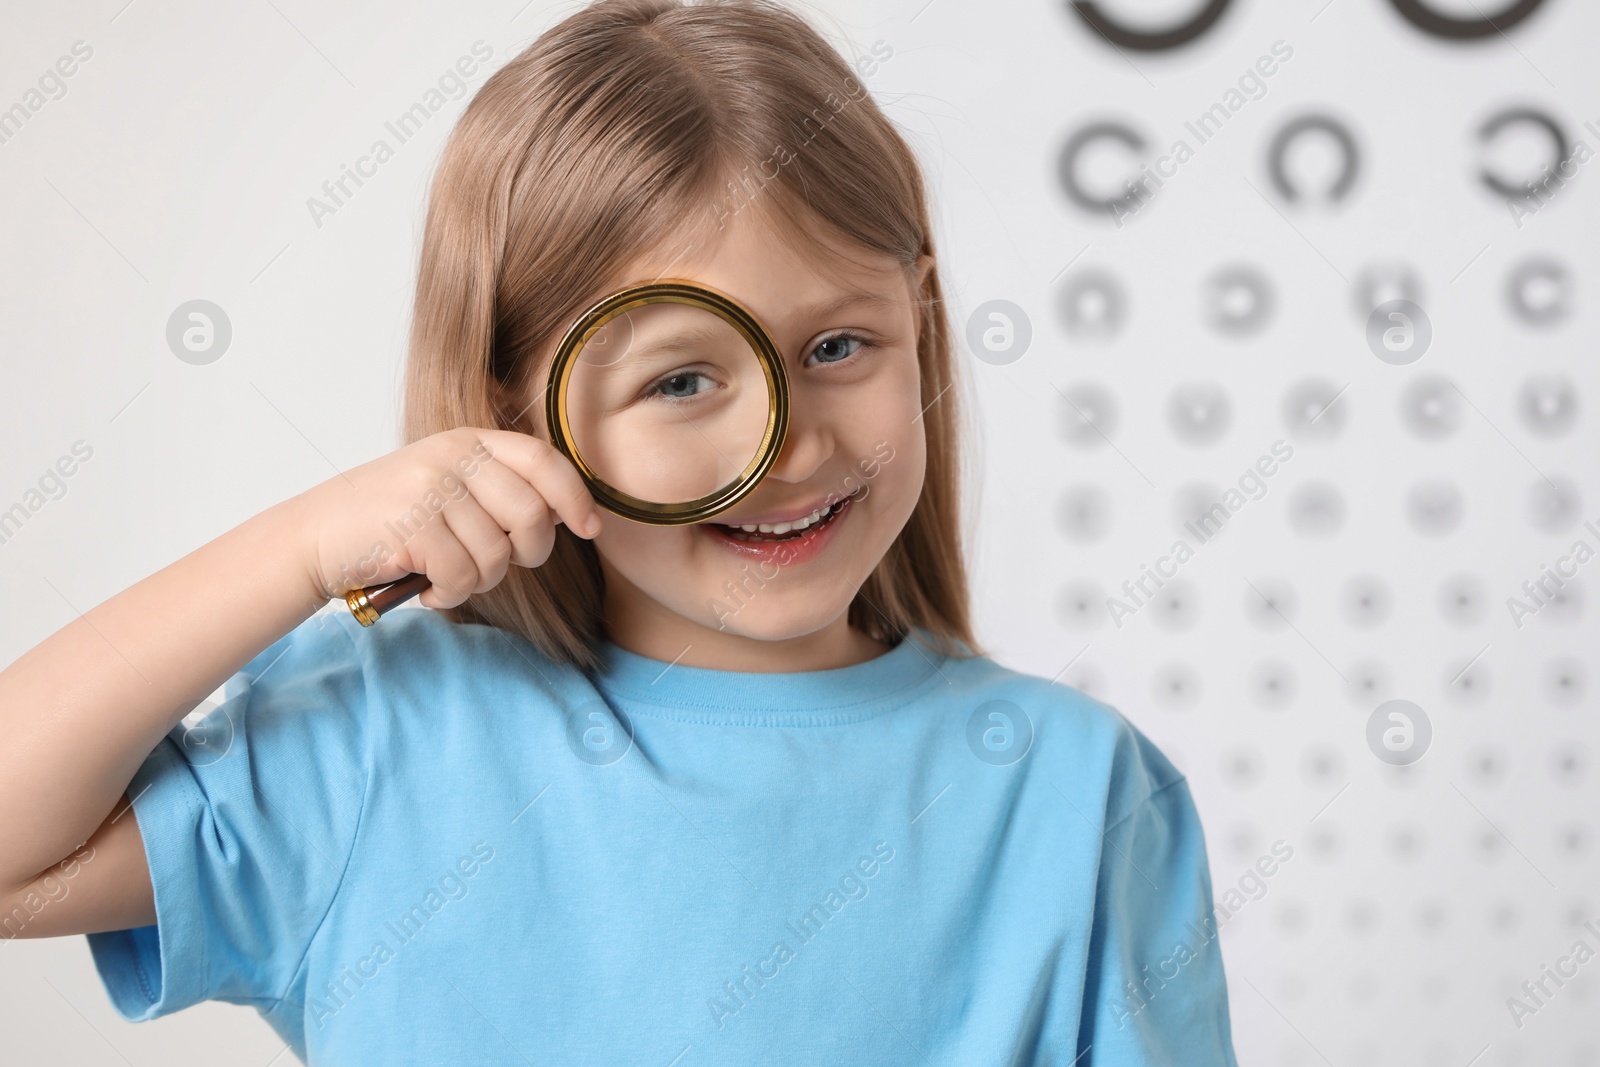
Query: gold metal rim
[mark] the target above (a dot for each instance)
(361, 607)
(669, 292)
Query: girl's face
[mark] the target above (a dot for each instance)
(852, 465)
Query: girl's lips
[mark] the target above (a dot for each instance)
(787, 551)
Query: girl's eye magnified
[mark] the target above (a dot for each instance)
(680, 385)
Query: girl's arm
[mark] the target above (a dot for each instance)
(103, 885)
(81, 711)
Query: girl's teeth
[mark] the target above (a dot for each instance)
(781, 528)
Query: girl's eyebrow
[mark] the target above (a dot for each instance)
(858, 298)
(692, 339)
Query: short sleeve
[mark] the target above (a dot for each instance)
(1156, 993)
(249, 817)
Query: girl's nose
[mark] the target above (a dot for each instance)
(808, 445)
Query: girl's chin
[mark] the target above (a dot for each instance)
(767, 614)
(774, 629)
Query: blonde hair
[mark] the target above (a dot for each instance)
(599, 141)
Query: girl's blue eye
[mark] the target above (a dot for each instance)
(839, 347)
(681, 385)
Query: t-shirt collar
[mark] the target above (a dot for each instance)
(746, 698)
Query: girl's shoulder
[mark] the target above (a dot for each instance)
(362, 683)
(1014, 717)
(417, 638)
(411, 650)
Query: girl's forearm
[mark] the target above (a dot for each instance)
(82, 710)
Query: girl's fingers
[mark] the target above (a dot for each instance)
(552, 474)
(437, 552)
(518, 509)
(486, 543)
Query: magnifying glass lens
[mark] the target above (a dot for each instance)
(668, 403)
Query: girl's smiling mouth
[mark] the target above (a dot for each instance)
(791, 540)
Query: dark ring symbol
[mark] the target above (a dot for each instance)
(1144, 40)
(1239, 321)
(1092, 319)
(1558, 139)
(1430, 21)
(1538, 269)
(1305, 124)
(1068, 164)
(1379, 284)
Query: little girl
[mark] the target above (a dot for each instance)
(741, 791)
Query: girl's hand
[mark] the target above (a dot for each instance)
(459, 506)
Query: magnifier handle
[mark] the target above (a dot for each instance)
(369, 604)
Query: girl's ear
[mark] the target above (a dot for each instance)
(919, 281)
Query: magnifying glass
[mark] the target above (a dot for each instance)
(669, 398)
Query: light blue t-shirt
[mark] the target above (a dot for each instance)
(424, 843)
